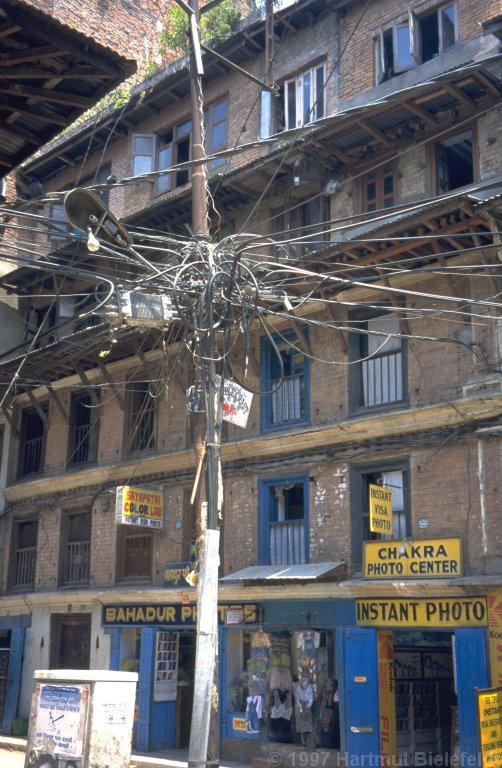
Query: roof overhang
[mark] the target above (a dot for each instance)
(304, 572)
(50, 74)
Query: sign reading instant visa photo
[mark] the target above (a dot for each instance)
(138, 506)
(380, 509)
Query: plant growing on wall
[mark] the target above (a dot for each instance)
(216, 25)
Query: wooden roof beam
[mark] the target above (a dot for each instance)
(375, 132)
(59, 405)
(113, 385)
(88, 384)
(461, 96)
(420, 112)
(44, 94)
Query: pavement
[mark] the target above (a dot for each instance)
(13, 751)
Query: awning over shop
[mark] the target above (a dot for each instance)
(301, 572)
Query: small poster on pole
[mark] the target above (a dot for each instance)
(236, 402)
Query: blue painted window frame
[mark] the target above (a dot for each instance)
(269, 367)
(264, 512)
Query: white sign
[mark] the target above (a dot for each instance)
(236, 403)
(60, 718)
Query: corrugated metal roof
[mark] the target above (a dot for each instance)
(301, 572)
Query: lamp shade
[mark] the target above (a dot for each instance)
(84, 209)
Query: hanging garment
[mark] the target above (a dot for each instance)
(281, 710)
(254, 711)
(304, 699)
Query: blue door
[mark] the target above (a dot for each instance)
(15, 660)
(472, 671)
(358, 685)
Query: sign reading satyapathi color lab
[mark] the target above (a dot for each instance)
(490, 726)
(434, 612)
(138, 506)
(420, 559)
(380, 509)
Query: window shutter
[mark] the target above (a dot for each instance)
(379, 57)
(414, 37)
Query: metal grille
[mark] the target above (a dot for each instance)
(32, 456)
(288, 400)
(287, 543)
(78, 562)
(383, 379)
(25, 567)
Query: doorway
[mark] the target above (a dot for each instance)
(425, 693)
(70, 641)
(4, 668)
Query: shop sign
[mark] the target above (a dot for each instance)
(495, 636)
(185, 615)
(239, 724)
(236, 402)
(380, 509)
(436, 612)
(387, 697)
(60, 717)
(174, 573)
(138, 506)
(490, 726)
(421, 559)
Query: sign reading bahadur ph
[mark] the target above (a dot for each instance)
(138, 506)
(420, 559)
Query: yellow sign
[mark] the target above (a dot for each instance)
(380, 509)
(420, 559)
(239, 724)
(490, 727)
(138, 506)
(436, 612)
(495, 636)
(387, 697)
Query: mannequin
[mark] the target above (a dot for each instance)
(304, 698)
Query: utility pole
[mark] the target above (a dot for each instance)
(208, 451)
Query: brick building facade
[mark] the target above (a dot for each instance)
(376, 170)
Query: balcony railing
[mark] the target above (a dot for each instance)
(84, 444)
(287, 543)
(32, 451)
(78, 562)
(25, 567)
(287, 400)
(382, 379)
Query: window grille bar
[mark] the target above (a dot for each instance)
(382, 379)
(25, 567)
(287, 543)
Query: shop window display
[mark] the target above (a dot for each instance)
(288, 690)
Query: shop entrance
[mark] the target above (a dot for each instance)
(426, 703)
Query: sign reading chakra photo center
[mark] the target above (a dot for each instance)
(60, 717)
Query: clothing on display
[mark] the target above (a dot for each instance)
(254, 713)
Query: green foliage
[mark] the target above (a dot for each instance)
(216, 26)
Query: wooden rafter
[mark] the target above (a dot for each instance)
(33, 400)
(88, 384)
(10, 419)
(460, 96)
(113, 385)
(55, 97)
(375, 132)
(420, 112)
(59, 405)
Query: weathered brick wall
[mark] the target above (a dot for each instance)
(356, 78)
(130, 28)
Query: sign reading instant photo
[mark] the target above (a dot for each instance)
(380, 509)
(435, 612)
(490, 726)
(420, 559)
(138, 506)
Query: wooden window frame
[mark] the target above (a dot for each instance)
(15, 549)
(125, 535)
(359, 479)
(65, 564)
(134, 413)
(267, 487)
